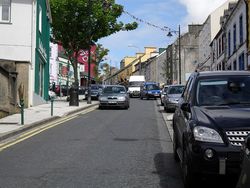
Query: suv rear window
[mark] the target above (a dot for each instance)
(223, 91)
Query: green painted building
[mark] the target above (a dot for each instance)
(42, 51)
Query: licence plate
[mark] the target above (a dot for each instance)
(112, 102)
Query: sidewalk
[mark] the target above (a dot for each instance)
(37, 115)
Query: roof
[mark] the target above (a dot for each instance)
(220, 73)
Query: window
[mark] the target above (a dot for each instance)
(235, 65)
(225, 91)
(241, 29)
(40, 19)
(234, 37)
(5, 10)
(229, 43)
(219, 46)
(223, 43)
(241, 62)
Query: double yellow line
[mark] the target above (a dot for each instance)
(42, 128)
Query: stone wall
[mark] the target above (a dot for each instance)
(11, 75)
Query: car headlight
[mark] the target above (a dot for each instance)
(205, 134)
(121, 98)
(102, 98)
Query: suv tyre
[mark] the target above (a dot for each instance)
(189, 178)
(175, 146)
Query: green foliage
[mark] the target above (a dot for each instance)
(78, 24)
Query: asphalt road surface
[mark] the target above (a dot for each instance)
(111, 148)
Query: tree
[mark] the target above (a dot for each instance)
(99, 55)
(106, 69)
(78, 24)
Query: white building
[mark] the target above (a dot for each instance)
(53, 68)
(236, 38)
(24, 42)
(218, 51)
(210, 29)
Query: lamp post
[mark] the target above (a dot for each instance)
(138, 50)
(179, 45)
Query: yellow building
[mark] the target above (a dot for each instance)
(128, 65)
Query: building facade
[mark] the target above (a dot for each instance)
(211, 27)
(26, 52)
(236, 38)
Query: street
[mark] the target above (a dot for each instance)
(104, 148)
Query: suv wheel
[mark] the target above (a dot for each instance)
(175, 146)
(189, 178)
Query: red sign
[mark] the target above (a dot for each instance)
(84, 55)
(83, 58)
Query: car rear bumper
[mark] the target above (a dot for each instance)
(134, 94)
(151, 95)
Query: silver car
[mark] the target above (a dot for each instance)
(172, 97)
(114, 96)
(163, 93)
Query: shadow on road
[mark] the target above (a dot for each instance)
(168, 171)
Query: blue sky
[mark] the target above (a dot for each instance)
(169, 13)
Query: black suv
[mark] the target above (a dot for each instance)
(210, 124)
(244, 180)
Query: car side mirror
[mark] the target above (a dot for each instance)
(247, 142)
(186, 107)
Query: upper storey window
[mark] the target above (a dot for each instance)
(5, 6)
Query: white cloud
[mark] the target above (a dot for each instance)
(198, 10)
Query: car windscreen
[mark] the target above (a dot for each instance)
(114, 89)
(152, 87)
(227, 91)
(175, 90)
(135, 84)
(94, 87)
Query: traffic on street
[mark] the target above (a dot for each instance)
(109, 147)
(124, 94)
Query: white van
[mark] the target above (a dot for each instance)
(134, 85)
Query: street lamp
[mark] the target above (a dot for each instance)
(179, 44)
(138, 50)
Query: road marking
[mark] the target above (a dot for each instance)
(44, 127)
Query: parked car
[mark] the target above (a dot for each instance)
(114, 96)
(95, 91)
(59, 90)
(163, 93)
(210, 123)
(244, 179)
(172, 96)
(150, 90)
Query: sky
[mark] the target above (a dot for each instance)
(161, 14)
